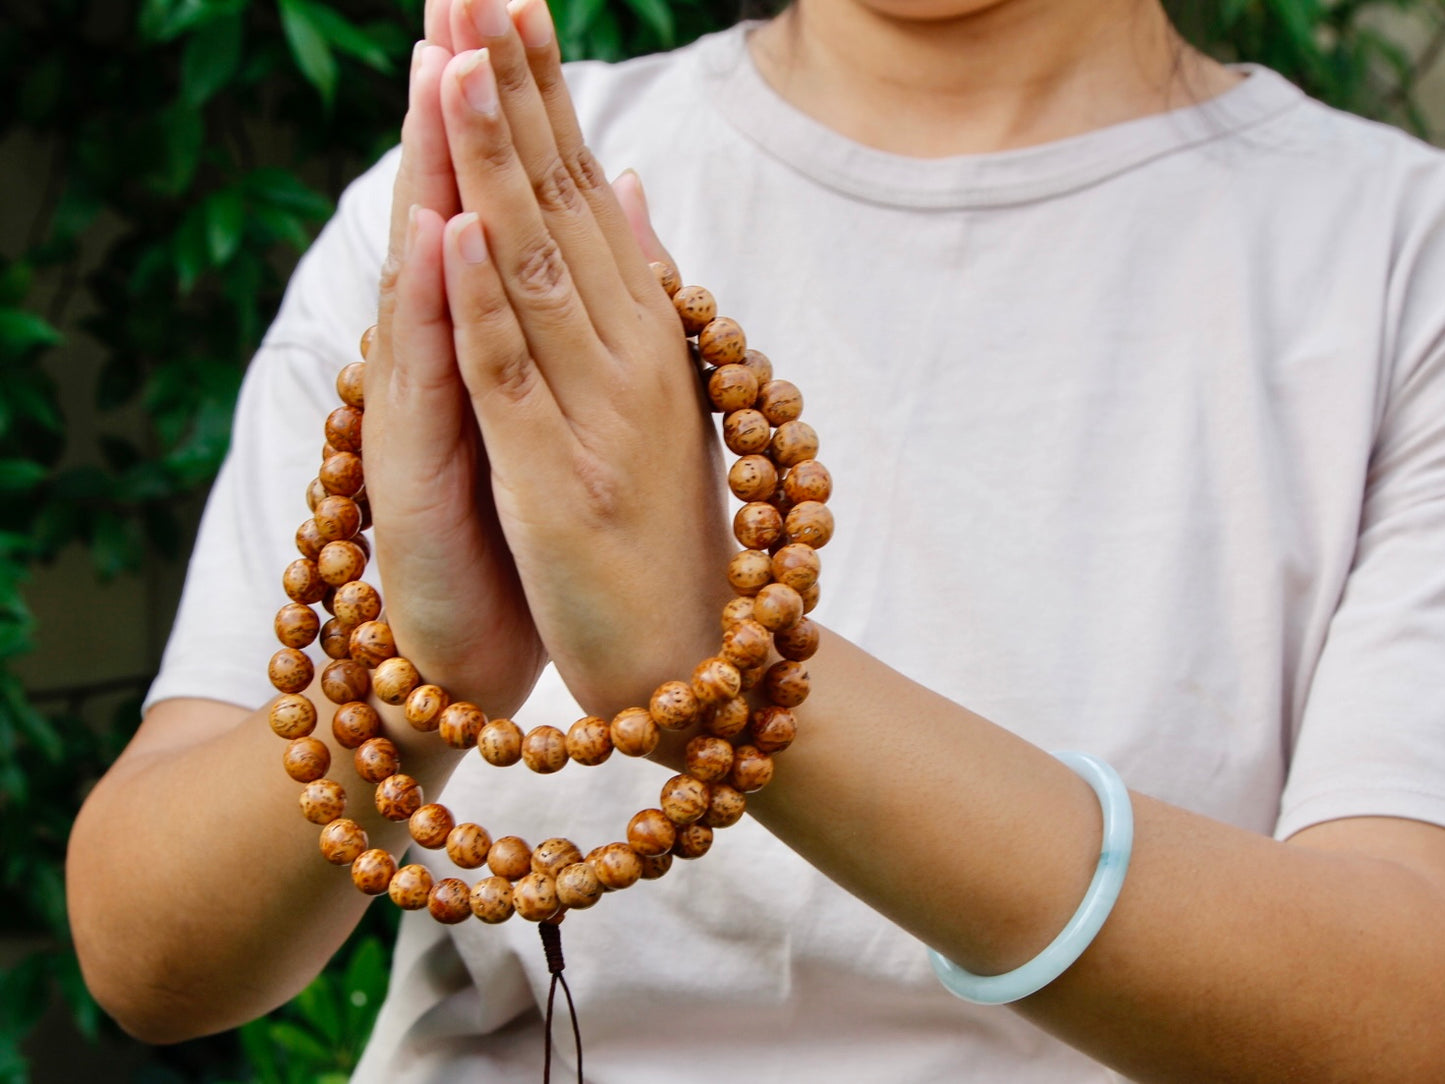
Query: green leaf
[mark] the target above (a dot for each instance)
(309, 48)
(182, 136)
(20, 475)
(15, 281)
(29, 722)
(657, 17)
(282, 226)
(211, 58)
(114, 545)
(301, 1046)
(32, 396)
(260, 1054)
(189, 248)
(83, 1009)
(363, 986)
(285, 190)
(23, 997)
(165, 20)
(319, 1007)
(347, 37)
(21, 331)
(225, 215)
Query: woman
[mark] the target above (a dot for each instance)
(1128, 368)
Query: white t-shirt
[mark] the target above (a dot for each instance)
(1139, 448)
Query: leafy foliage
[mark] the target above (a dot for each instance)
(194, 148)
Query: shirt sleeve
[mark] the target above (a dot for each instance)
(222, 636)
(1372, 737)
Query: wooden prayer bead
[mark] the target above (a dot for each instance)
(746, 432)
(430, 826)
(342, 474)
(377, 759)
(410, 887)
(650, 832)
(302, 581)
(746, 644)
(773, 728)
(741, 609)
(350, 384)
(589, 741)
(354, 724)
(752, 677)
(810, 596)
(708, 758)
(667, 277)
(357, 602)
(693, 841)
(674, 705)
(733, 387)
(365, 507)
(343, 429)
(468, 845)
(780, 402)
(535, 897)
(577, 886)
(749, 571)
(634, 733)
(292, 716)
(398, 797)
(340, 562)
(799, 642)
(753, 478)
(792, 443)
(684, 799)
(336, 638)
(510, 857)
(424, 707)
(752, 769)
(695, 306)
(777, 606)
(327, 451)
(551, 855)
(491, 900)
(306, 759)
(322, 801)
(760, 364)
(757, 525)
(290, 670)
(342, 840)
(616, 865)
(296, 625)
(722, 343)
(394, 680)
(810, 523)
(715, 679)
(315, 492)
(371, 643)
(345, 680)
(336, 520)
(500, 743)
(461, 724)
(727, 718)
(449, 901)
(372, 871)
(654, 866)
(781, 501)
(309, 538)
(787, 683)
(725, 806)
(544, 750)
(368, 340)
(808, 481)
(797, 566)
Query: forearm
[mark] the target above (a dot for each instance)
(198, 896)
(1228, 957)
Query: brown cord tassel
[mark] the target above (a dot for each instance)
(552, 946)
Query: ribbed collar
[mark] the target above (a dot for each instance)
(754, 109)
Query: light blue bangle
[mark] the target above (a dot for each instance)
(1099, 900)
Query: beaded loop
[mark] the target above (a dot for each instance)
(765, 641)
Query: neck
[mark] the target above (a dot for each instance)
(987, 75)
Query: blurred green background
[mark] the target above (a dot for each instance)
(162, 164)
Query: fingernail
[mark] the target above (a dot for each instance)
(534, 23)
(416, 52)
(479, 85)
(470, 242)
(637, 182)
(412, 214)
(489, 17)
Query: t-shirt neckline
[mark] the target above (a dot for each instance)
(754, 109)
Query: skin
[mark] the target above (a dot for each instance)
(1228, 957)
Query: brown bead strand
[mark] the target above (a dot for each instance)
(783, 521)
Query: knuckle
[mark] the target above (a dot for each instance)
(513, 375)
(602, 492)
(587, 172)
(390, 274)
(541, 275)
(512, 79)
(554, 189)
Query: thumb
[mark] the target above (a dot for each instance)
(628, 188)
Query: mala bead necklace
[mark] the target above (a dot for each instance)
(766, 640)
